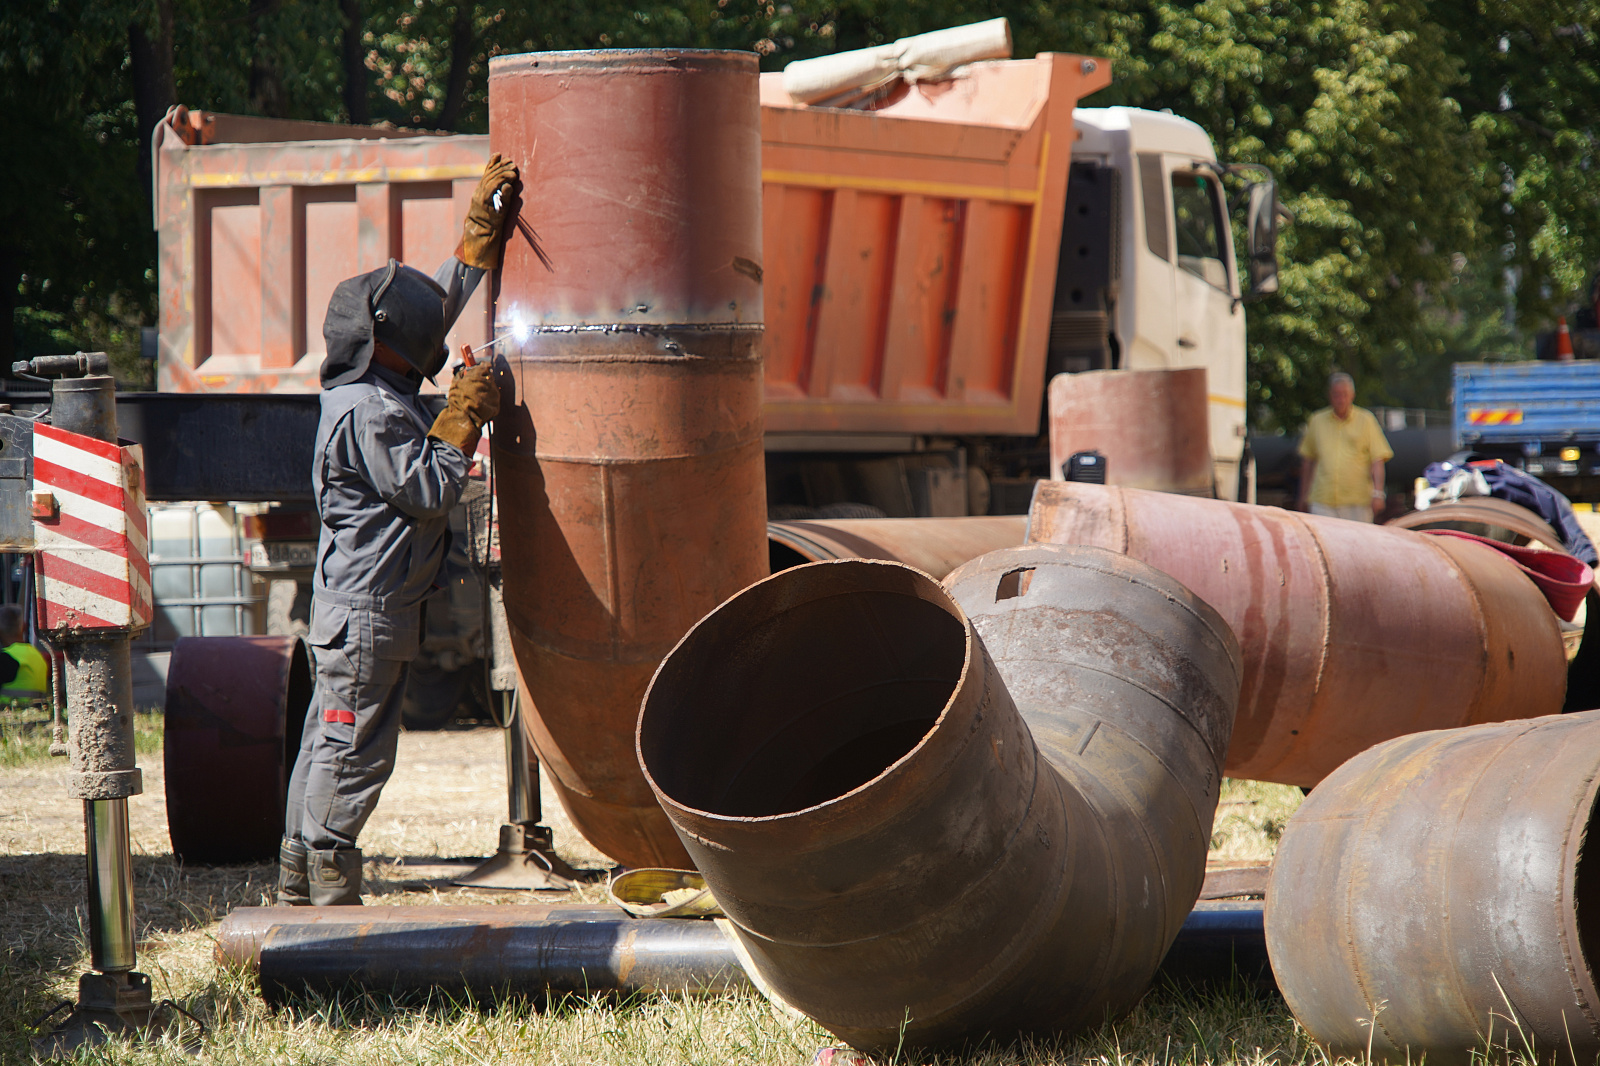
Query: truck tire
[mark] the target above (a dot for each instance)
(434, 698)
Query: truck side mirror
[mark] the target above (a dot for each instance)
(1261, 225)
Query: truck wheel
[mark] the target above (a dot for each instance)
(434, 698)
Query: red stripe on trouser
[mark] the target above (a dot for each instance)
(333, 714)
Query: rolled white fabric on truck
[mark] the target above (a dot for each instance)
(929, 55)
(810, 80)
(925, 56)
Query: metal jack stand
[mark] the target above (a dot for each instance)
(92, 628)
(526, 858)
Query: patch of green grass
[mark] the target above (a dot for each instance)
(25, 734)
(1250, 818)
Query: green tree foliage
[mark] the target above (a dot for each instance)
(1424, 148)
(1349, 102)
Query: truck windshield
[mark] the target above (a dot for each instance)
(1197, 210)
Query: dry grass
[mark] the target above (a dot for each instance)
(446, 800)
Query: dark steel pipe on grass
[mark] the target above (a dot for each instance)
(490, 950)
(901, 859)
(1440, 893)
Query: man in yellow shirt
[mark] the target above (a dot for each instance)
(1342, 453)
(32, 677)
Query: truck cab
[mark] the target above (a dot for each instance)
(1164, 292)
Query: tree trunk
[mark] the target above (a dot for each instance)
(462, 47)
(266, 84)
(150, 66)
(355, 64)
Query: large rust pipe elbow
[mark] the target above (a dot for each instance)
(899, 857)
(1351, 634)
(628, 452)
(1441, 892)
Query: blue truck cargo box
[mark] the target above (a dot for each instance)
(1535, 407)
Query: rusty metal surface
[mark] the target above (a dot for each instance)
(1235, 880)
(1443, 878)
(234, 710)
(628, 451)
(845, 765)
(257, 223)
(1351, 633)
(1153, 426)
(935, 546)
(1485, 516)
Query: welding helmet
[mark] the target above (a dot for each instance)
(396, 304)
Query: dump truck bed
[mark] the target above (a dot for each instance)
(909, 262)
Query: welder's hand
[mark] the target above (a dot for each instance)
(473, 400)
(480, 233)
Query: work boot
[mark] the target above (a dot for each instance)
(335, 877)
(292, 887)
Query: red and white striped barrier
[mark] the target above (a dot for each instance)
(93, 562)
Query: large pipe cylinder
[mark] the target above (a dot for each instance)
(629, 448)
(844, 764)
(935, 546)
(1441, 891)
(1153, 426)
(235, 710)
(1351, 633)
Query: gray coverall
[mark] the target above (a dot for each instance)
(384, 491)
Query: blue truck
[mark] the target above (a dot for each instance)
(1542, 417)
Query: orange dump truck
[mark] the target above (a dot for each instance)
(928, 265)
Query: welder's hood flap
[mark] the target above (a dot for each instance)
(347, 329)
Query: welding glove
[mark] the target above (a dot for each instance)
(480, 233)
(474, 399)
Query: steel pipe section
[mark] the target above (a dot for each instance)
(844, 763)
(628, 452)
(935, 546)
(1440, 893)
(487, 950)
(234, 714)
(1153, 427)
(1351, 634)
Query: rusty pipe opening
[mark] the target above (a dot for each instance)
(778, 708)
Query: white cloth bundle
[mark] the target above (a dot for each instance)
(920, 58)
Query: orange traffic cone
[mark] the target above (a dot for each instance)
(1563, 342)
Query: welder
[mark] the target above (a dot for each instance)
(386, 475)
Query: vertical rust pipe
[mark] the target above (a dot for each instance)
(1351, 634)
(935, 546)
(1153, 427)
(628, 452)
(1441, 891)
(899, 857)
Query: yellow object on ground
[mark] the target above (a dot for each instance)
(661, 893)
